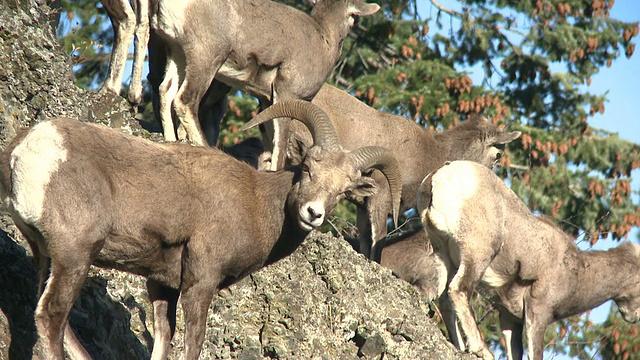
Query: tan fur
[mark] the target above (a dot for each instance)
(419, 152)
(527, 267)
(271, 50)
(192, 220)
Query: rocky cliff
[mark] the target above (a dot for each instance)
(323, 302)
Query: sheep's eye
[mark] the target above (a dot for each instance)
(498, 155)
(305, 167)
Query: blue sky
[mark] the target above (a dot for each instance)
(620, 81)
(621, 116)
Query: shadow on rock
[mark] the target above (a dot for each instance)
(102, 324)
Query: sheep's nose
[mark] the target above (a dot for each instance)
(313, 214)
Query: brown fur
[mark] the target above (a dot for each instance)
(419, 152)
(531, 270)
(192, 220)
(282, 53)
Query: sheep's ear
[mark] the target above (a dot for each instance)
(296, 150)
(365, 186)
(505, 137)
(363, 9)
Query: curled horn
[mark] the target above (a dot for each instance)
(316, 120)
(382, 159)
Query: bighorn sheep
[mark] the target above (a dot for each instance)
(525, 265)
(271, 50)
(411, 258)
(191, 219)
(127, 18)
(418, 151)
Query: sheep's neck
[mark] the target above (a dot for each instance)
(332, 35)
(601, 276)
(284, 233)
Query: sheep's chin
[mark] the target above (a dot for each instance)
(305, 226)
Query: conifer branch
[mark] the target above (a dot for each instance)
(448, 11)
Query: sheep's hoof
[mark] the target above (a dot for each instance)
(484, 353)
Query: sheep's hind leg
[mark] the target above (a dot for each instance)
(199, 74)
(72, 345)
(54, 305)
(460, 290)
(512, 332)
(166, 94)
(165, 303)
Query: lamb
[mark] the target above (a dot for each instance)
(271, 50)
(525, 265)
(411, 258)
(418, 151)
(127, 18)
(84, 194)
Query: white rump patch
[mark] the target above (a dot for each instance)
(33, 162)
(452, 186)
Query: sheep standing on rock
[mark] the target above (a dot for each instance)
(418, 151)
(127, 18)
(271, 50)
(193, 220)
(526, 266)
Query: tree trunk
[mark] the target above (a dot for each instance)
(324, 302)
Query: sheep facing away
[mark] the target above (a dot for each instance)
(273, 51)
(526, 266)
(418, 151)
(192, 220)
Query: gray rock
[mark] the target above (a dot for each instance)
(323, 302)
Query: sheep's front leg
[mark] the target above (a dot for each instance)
(123, 21)
(165, 303)
(460, 290)
(200, 279)
(195, 303)
(372, 219)
(134, 96)
(72, 345)
(275, 134)
(512, 332)
(364, 231)
(537, 317)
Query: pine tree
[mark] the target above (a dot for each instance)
(537, 56)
